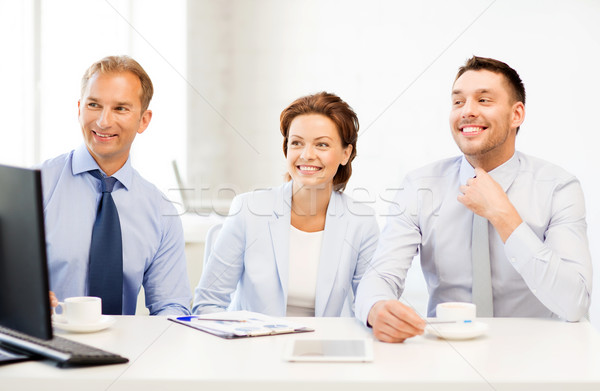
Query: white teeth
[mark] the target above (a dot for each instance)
(103, 135)
(472, 129)
(309, 168)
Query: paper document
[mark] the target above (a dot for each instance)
(240, 324)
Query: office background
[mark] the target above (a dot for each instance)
(224, 70)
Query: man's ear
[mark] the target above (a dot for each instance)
(145, 121)
(518, 114)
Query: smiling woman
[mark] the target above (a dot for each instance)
(315, 152)
(299, 249)
(319, 142)
(327, 116)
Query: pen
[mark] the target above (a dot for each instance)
(449, 321)
(189, 318)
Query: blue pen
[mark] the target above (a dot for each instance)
(193, 317)
(449, 321)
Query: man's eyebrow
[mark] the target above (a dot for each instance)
(478, 91)
(123, 103)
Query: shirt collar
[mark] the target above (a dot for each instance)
(84, 162)
(504, 174)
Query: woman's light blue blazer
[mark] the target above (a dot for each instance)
(249, 263)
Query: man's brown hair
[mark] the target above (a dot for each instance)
(117, 64)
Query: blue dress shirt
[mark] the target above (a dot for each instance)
(543, 270)
(153, 244)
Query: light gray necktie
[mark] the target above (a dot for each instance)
(482, 276)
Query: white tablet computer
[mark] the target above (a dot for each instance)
(332, 350)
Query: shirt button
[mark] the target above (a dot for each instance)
(534, 291)
(513, 260)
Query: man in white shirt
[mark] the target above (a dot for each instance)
(538, 247)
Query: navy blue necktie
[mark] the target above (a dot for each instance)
(105, 275)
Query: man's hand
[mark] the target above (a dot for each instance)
(393, 321)
(53, 300)
(485, 197)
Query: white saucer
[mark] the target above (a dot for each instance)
(61, 323)
(457, 330)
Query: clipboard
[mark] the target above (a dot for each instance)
(240, 324)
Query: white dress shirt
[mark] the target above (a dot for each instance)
(543, 270)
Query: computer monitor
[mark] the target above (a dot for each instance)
(25, 316)
(24, 301)
(24, 287)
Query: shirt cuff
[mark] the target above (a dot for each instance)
(522, 246)
(173, 310)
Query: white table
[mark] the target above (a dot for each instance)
(516, 354)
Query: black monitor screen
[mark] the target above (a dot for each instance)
(24, 302)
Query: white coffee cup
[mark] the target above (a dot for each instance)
(82, 309)
(456, 311)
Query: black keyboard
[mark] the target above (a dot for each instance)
(65, 351)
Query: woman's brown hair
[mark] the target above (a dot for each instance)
(342, 115)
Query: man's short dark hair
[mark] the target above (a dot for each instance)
(489, 64)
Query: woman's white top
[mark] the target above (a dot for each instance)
(305, 250)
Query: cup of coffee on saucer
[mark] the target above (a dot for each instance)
(456, 311)
(456, 320)
(81, 314)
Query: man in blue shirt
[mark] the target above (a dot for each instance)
(113, 109)
(538, 259)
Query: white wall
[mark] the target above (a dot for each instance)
(72, 35)
(394, 62)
